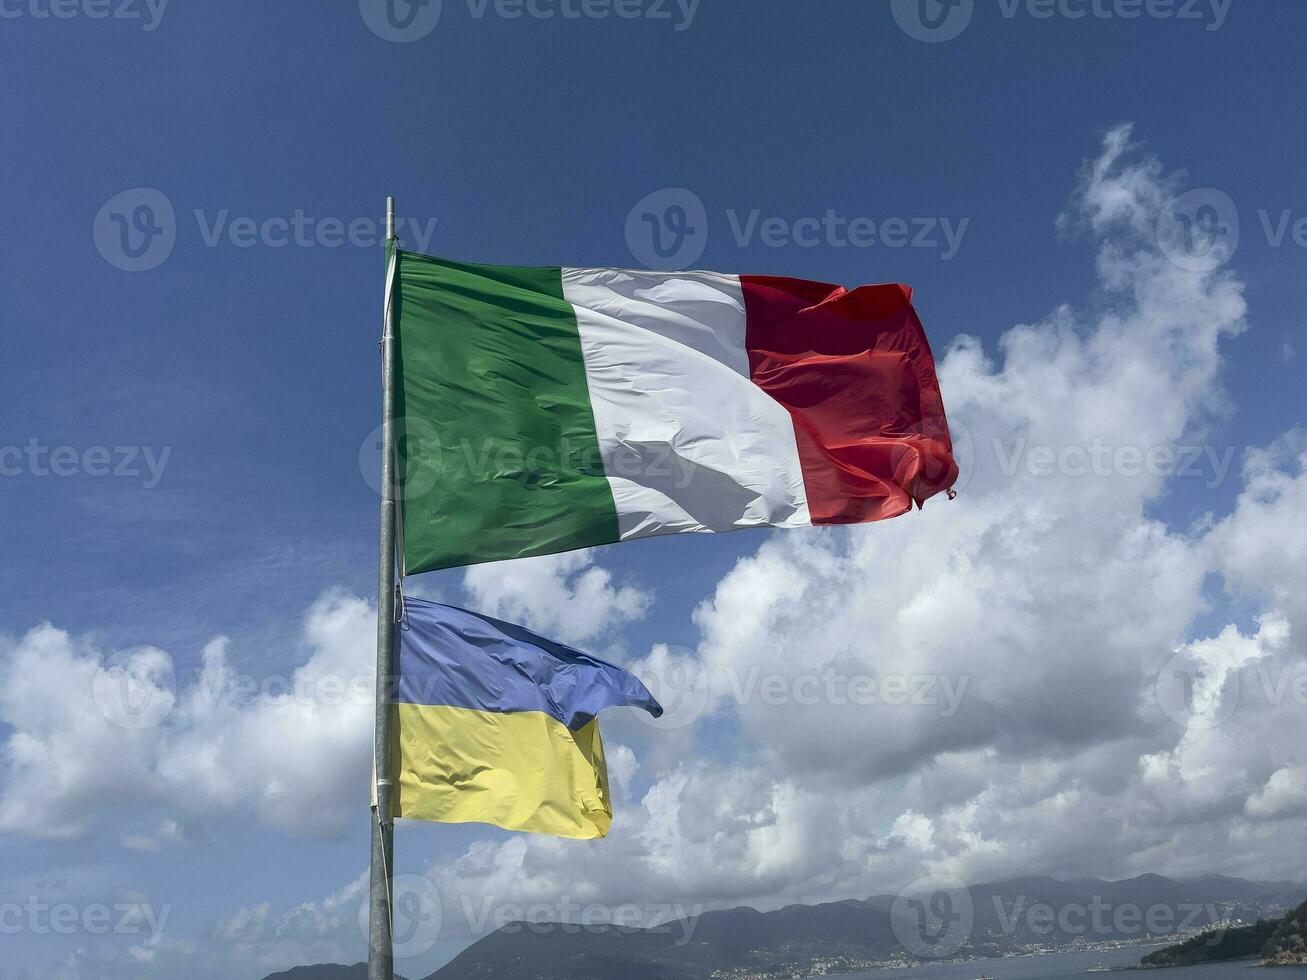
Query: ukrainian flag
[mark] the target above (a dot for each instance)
(494, 724)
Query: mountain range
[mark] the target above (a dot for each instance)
(326, 971)
(1023, 914)
(1272, 942)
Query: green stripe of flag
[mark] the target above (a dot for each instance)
(498, 452)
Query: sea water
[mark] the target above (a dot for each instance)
(1078, 964)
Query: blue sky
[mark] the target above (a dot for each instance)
(526, 140)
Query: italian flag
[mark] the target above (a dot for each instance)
(545, 409)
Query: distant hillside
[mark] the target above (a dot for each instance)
(854, 932)
(325, 972)
(630, 954)
(1273, 942)
(844, 937)
(851, 935)
(1288, 946)
(1241, 943)
(1240, 888)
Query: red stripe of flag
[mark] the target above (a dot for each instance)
(856, 373)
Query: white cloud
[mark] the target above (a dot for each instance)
(1049, 593)
(169, 833)
(1261, 548)
(93, 733)
(255, 941)
(65, 760)
(566, 596)
(1284, 795)
(1050, 598)
(1047, 587)
(299, 752)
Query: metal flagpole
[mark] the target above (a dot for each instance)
(381, 963)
